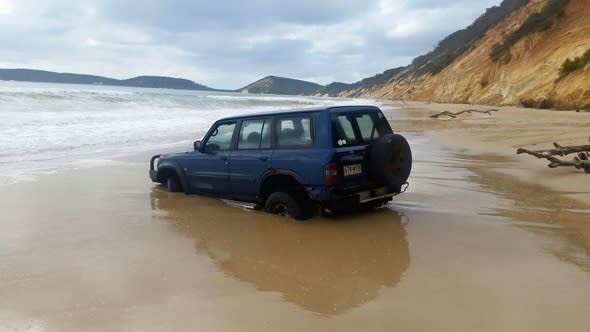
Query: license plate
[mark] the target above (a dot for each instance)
(354, 169)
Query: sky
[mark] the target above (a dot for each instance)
(227, 44)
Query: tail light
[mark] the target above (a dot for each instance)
(331, 174)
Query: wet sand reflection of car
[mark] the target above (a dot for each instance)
(327, 266)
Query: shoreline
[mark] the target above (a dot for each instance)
(501, 134)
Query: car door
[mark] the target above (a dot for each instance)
(251, 158)
(207, 168)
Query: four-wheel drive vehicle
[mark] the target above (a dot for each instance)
(290, 162)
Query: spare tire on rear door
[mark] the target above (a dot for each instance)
(390, 161)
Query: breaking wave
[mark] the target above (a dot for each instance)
(50, 127)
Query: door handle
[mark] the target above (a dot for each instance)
(263, 158)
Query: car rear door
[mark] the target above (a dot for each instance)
(351, 134)
(251, 158)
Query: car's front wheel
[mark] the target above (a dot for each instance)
(173, 184)
(285, 204)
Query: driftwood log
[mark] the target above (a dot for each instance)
(455, 114)
(580, 161)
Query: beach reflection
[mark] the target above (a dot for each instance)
(326, 265)
(560, 219)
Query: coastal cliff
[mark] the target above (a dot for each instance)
(522, 59)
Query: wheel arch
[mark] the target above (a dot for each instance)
(274, 180)
(169, 169)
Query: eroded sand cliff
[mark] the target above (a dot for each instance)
(532, 74)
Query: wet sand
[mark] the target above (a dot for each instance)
(471, 246)
(502, 133)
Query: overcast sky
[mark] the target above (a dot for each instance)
(227, 44)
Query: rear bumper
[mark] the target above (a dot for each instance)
(375, 194)
(356, 199)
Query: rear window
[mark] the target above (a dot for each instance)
(358, 128)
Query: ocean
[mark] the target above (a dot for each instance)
(47, 127)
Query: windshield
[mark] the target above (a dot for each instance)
(358, 128)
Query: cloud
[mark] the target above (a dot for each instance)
(227, 44)
(5, 7)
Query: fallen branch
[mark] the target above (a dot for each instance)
(580, 161)
(560, 150)
(454, 115)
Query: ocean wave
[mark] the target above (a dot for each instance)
(48, 127)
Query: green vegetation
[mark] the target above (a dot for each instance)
(460, 41)
(546, 103)
(570, 65)
(537, 22)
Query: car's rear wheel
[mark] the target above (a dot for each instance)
(285, 204)
(173, 184)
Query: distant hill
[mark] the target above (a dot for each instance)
(31, 75)
(163, 82)
(281, 86)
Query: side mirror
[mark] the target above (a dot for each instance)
(197, 145)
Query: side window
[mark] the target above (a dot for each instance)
(254, 134)
(294, 132)
(221, 137)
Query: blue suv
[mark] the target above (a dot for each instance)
(292, 162)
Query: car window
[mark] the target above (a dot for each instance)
(358, 128)
(345, 133)
(294, 131)
(254, 134)
(367, 127)
(220, 138)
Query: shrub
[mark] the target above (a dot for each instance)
(528, 103)
(484, 82)
(570, 65)
(545, 103)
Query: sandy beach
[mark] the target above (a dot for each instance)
(502, 133)
(483, 240)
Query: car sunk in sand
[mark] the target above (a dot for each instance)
(292, 162)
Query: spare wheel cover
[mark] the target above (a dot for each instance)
(391, 161)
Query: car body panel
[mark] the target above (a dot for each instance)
(246, 170)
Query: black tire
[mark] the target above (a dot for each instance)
(390, 161)
(286, 204)
(173, 184)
